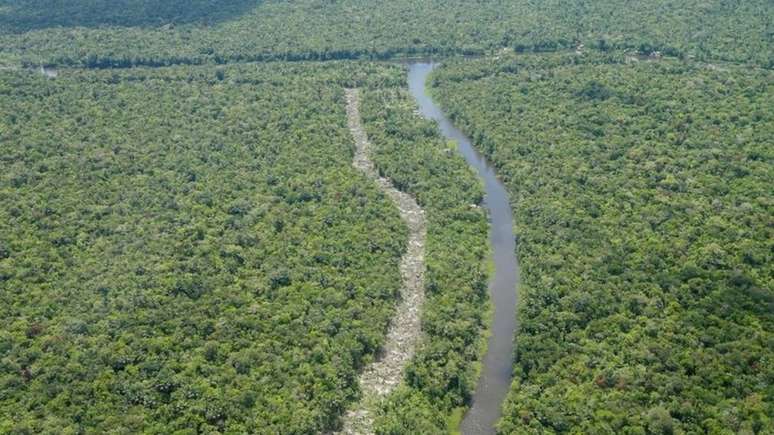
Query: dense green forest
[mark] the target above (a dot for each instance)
(115, 33)
(188, 250)
(642, 198)
(185, 246)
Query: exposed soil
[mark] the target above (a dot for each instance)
(383, 375)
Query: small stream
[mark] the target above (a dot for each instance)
(495, 380)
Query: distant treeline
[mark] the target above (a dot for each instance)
(155, 33)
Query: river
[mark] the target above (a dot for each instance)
(495, 380)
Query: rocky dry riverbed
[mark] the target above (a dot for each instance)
(384, 374)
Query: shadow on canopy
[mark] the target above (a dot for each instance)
(23, 16)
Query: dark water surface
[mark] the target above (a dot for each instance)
(496, 372)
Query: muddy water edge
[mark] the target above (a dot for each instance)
(495, 380)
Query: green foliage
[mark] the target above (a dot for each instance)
(155, 32)
(642, 199)
(409, 411)
(188, 249)
(409, 150)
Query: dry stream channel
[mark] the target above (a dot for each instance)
(380, 377)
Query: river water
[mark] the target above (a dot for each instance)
(495, 380)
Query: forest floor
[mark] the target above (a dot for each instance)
(384, 374)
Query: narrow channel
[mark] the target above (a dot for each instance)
(495, 380)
